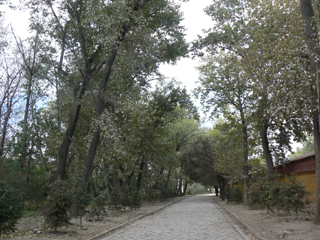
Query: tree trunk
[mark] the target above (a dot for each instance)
(223, 193)
(25, 137)
(185, 188)
(180, 186)
(169, 174)
(266, 150)
(311, 40)
(246, 154)
(106, 177)
(64, 149)
(216, 189)
(140, 174)
(115, 174)
(4, 131)
(98, 112)
(91, 155)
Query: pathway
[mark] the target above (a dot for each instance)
(195, 217)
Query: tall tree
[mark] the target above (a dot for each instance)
(262, 33)
(224, 84)
(91, 35)
(312, 42)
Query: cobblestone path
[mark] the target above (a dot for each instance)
(195, 217)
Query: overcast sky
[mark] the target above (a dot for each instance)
(195, 20)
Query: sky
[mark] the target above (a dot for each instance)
(195, 21)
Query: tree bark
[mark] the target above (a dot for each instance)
(222, 184)
(246, 155)
(24, 150)
(185, 188)
(311, 39)
(99, 106)
(180, 186)
(140, 174)
(169, 174)
(116, 174)
(98, 111)
(64, 149)
(266, 150)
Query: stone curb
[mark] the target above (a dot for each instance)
(240, 222)
(111, 230)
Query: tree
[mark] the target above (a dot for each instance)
(10, 85)
(252, 33)
(311, 38)
(224, 83)
(131, 26)
(198, 164)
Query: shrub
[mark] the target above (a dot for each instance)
(293, 195)
(97, 207)
(57, 206)
(115, 198)
(235, 195)
(282, 195)
(259, 195)
(11, 207)
(135, 200)
(81, 199)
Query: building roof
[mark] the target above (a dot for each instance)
(300, 157)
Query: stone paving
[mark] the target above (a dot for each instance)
(196, 217)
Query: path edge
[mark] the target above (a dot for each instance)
(111, 230)
(240, 222)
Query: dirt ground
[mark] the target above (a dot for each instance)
(274, 226)
(267, 226)
(31, 226)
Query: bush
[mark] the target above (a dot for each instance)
(57, 206)
(259, 195)
(97, 207)
(284, 196)
(11, 207)
(81, 199)
(293, 195)
(235, 195)
(135, 200)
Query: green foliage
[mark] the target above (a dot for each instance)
(152, 196)
(235, 195)
(197, 188)
(259, 195)
(11, 207)
(307, 147)
(98, 205)
(115, 198)
(81, 199)
(198, 161)
(167, 193)
(293, 195)
(135, 199)
(57, 206)
(285, 196)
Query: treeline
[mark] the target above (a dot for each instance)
(259, 81)
(78, 110)
(81, 121)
